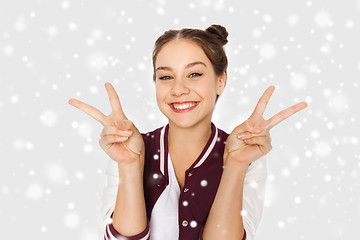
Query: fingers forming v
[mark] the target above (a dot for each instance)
(284, 114)
(91, 111)
(114, 101)
(263, 101)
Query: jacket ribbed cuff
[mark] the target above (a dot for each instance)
(112, 234)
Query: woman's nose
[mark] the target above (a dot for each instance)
(179, 88)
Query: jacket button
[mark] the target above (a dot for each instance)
(185, 223)
(186, 189)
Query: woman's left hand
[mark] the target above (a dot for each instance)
(251, 139)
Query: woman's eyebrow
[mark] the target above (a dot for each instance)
(187, 66)
(195, 63)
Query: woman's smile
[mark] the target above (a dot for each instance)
(180, 107)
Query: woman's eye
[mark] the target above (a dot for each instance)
(165, 78)
(195, 75)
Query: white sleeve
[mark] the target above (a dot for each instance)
(253, 196)
(109, 195)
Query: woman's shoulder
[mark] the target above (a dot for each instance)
(154, 136)
(152, 132)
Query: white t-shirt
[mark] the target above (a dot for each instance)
(164, 216)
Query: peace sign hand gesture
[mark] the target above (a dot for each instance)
(251, 139)
(120, 139)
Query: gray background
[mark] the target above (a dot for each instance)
(52, 168)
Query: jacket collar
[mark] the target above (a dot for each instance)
(201, 158)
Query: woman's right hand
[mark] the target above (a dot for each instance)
(120, 139)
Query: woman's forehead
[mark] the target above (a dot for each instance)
(181, 51)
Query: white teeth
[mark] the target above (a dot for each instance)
(184, 106)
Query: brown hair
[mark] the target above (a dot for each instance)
(211, 41)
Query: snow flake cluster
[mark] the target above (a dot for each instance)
(53, 168)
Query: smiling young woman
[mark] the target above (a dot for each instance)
(187, 180)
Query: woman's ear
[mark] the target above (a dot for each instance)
(221, 82)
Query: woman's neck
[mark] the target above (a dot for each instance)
(188, 139)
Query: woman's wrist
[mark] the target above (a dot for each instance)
(135, 168)
(236, 165)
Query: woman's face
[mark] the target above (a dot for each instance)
(186, 83)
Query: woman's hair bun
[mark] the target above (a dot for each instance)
(220, 33)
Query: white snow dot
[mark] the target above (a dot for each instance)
(79, 175)
(34, 191)
(88, 148)
(254, 184)
(315, 134)
(244, 100)
(8, 50)
(97, 34)
(203, 183)
(297, 200)
(93, 89)
(339, 102)
(72, 26)
(354, 141)
(330, 125)
(349, 24)
(71, 205)
(298, 81)
(322, 149)
(5, 190)
(65, 4)
(271, 177)
(52, 30)
(293, 20)
(267, 51)
(322, 19)
(155, 176)
(96, 60)
(243, 212)
(256, 33)
(185, 203)
(55, 172)
(20, 24)
(19, 144)
(89, 234)
(193, 224)
(48, 118)
(156, 157)
(72, 220)
(295, 160)
(327, 178)
(281, 224)
(29, 145)
(85, 130)
(330, 37)
(141, 66)
(308, 99)
(160, 10)
(14, 99)
(285, 172)
(267, 18)
(325, 48)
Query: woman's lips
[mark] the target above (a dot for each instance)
(184, 105)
